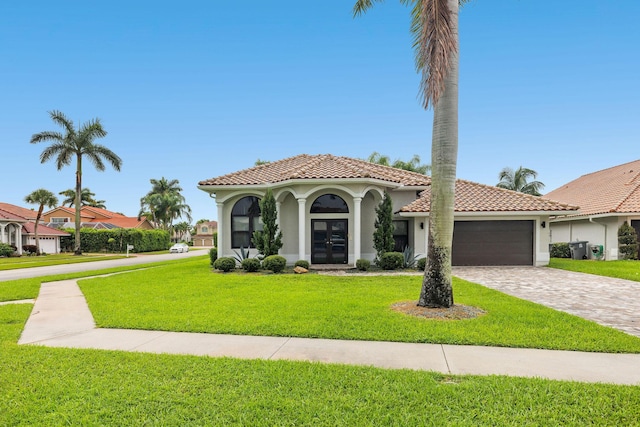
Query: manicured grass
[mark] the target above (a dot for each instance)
(55, 386)
(12, 290)
(188, 297)
(47, 260)
(629, 270)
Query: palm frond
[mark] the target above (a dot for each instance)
(62, 120)
(434, 28)
(362, 6)
(46, 136)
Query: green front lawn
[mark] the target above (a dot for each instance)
(629, 270)
(56, 386)
(12, 290)
(47, 260)
(189, 297)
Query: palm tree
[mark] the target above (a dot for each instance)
(164, 203)
(181, 229)
(86, 198)
(435, 32)
(42, 198)
(412, 165)
(518, 181)
(79, 144)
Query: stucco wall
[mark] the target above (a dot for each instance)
(602, 231)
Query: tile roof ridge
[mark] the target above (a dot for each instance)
(12, 214)
(520, 194)
(609, 168)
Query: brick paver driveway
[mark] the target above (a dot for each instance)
(608, 301)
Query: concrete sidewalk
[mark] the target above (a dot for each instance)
(61, 318)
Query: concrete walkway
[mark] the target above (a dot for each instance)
(61, 318)
(605, 300)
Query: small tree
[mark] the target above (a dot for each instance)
(269, 240)
(383, 236)
(628, 241)
(41, 197)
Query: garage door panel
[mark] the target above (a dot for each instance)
(493, 243)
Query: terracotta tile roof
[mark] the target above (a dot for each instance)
(43, 230)
(474, 197)
(613, 190)
(19, 211)
(322, 166)
(102, 212)
(125, 221)
(10, 215)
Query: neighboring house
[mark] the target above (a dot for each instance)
(204, 233)
(326, 211)
(17, 228)
(607, 199)
(90, 217)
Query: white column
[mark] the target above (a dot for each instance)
(2, 233)
(357, 225)
(302, 229)
(220, 228)
(19, 238)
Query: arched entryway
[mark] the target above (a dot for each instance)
(329, 230)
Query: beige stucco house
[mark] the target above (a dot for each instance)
(607, 199)
(204, 233)
(326, 211)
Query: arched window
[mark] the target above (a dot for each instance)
(205, 229)
(329, 203)
(245, 219)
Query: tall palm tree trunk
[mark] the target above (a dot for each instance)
(77, 249)
(436, 285)
(35, 228)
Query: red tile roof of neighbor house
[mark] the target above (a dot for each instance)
(612, 190)
(43, 230)
(17, 210)
(91, 214)
(8, 211)
(474, 197)
(321, 166)
(4, 214)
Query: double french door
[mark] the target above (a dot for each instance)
(329, 241)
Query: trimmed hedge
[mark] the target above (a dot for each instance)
(213, 256)
(391, 261)
(250, 264)
(363, 264)
(6, 250)
(421, 264)
(225, 264)
(302, 263)
(116, 240)
(275, 263)
(560, 250)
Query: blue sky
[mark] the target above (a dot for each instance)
(196, 89)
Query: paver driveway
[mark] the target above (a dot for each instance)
(605, 300)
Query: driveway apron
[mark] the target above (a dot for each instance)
(605, 300)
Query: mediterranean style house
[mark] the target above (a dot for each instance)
(204, 233)
(17, 228)
(326, 211)
(607, 199)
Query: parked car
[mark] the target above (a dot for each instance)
(179, 248)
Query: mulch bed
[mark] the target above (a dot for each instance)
(455, 312)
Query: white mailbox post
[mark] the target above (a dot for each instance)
(129, 247)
